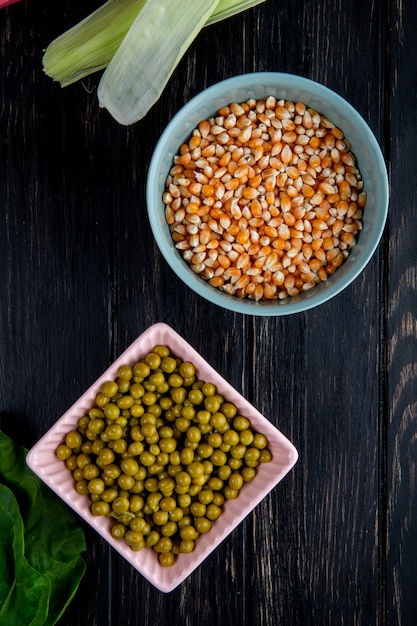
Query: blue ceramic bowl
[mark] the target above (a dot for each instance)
(289, 87)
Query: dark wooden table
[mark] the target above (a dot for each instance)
(81, 277)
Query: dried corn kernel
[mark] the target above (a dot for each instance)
(278, 185)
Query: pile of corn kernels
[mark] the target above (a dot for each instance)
(265, 200)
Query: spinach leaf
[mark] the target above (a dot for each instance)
(24, 592)
(53, 541)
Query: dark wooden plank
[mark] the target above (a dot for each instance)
(84, 278)
(401, 329)
(324, 559)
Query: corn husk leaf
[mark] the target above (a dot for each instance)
(90, 45)
(148, 55)
(228, 8)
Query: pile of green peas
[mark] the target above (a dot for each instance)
(160, 453)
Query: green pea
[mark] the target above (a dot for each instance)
(193, 434)
(178, 395)
(231, 437)
(212, 404)
(218, 458)
(202, 525)
(118, 531)
(102, 400)
(248, 474)
(205, 496)
(111, 411)
(119, 446)
(138, 524)
(166, 559)
(135, 448)
(175, 380)
(109, 388)
(234, 463)
(168, 364)
(187, 369)
(205, 450)
(195, 396)
(218, 420)
(146, 458)
(183, 479)
(252, 455)
(235, 481)
(213, 512)
(215, 483)
(230, 493)
(162, 350)
(98, 445)
(188, 412)
(91, 471)
(63, 452)
(188, 533)
(96, 486)
(218, 499)
(208, 389)
(97, 425)
(228, 409)
(182, 424)
(73, 439)
(187, 546)
(265, 456)
(81, 486)
(109, 494)
(153, 359)
(260, 441)
(83, 460)
(134, 539)
(100, 508)
(113, 432)
(169, 528)
(224, 472)
(238, 451)
(176, 515)
(152, 538)
(241, 423)
(149, 398)
(166, 403)
(195, 469)
(125, 372)
(125, 402)
(215, 440)
(160, 517)
(136, 410)
(157, 379)
(141, 369)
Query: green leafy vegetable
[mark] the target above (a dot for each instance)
(90, 45)
(121, 35)
(24, 592)
(148, 55)
(40, 545)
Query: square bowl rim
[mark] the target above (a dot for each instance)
(52, 471)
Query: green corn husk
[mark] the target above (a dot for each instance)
(148, 55)
(90, 45)
(228, 8)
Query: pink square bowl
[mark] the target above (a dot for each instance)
(52, 471)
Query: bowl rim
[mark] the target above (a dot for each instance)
(322, 292)
(43, 462)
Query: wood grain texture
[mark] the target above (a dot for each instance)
(336, 541)
(401, 328)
